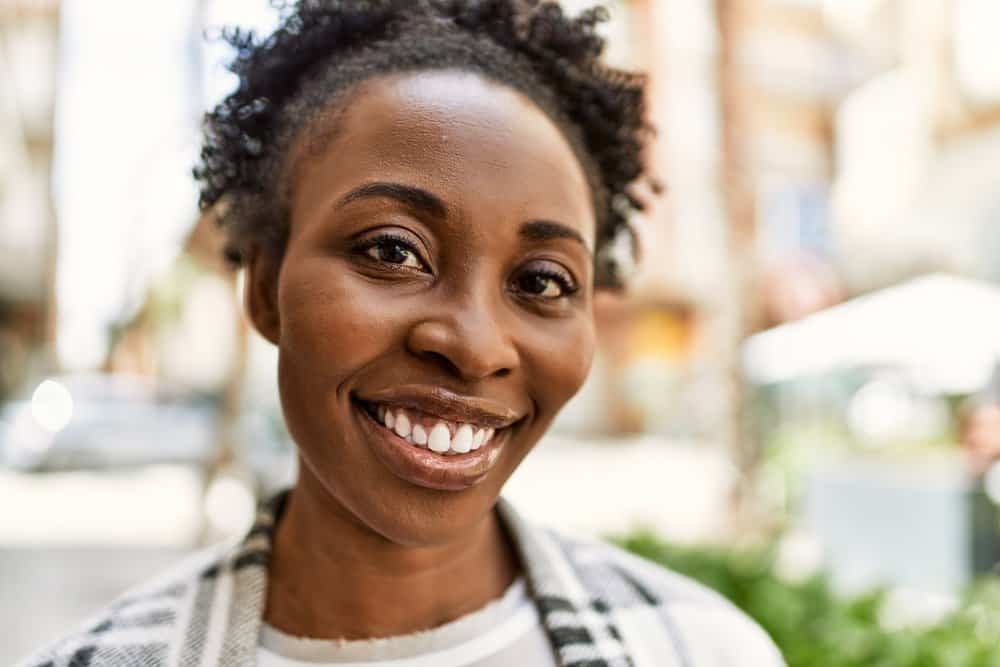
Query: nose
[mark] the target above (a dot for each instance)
(467, 338)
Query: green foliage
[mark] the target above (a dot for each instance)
(815, 628)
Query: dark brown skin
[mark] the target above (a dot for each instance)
(360, 552)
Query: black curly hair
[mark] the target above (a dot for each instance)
(324, 48)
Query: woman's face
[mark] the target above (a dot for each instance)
(433, 309)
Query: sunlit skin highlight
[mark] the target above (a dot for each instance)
(444, 238)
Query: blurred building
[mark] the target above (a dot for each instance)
(28, 45)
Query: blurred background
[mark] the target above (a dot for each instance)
(796, 401)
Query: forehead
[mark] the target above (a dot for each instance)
(477, 144)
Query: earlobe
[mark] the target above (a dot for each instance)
(260, 292)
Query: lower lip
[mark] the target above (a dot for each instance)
(423, 467)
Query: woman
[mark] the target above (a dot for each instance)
(422, 195)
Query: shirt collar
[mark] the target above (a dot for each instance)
(579, 626)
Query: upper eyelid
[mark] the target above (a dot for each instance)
(373, 240)
(561, 272)
(387, 228)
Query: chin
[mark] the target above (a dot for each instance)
(399, 512)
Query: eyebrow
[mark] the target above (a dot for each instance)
(422, 200)
(414, 197)
(545, 230)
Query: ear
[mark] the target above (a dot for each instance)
(260, 291)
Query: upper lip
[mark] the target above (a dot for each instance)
(445, 404)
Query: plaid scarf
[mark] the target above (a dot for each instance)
(600, 607)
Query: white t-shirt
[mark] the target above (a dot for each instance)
(507, 631)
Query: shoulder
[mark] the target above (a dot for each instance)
(142, 626)
(704, 627)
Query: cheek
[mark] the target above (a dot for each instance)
(330, 327)
(326, 316)
(560, 367)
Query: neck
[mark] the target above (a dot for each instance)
(331, 577)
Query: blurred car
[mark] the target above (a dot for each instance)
(99, 421)
(102, 421)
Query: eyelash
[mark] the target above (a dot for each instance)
(387, 239)
(569, 288)
(567, 285)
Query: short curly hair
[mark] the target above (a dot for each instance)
(324, 48)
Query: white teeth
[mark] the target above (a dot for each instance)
(402, 426)
(440, 439)
(462, 442)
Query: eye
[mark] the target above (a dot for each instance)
(545, 284)
(394, 250)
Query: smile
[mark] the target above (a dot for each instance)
(424, 430)
(431, 437)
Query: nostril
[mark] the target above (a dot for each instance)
(456, 369)
(443, 361)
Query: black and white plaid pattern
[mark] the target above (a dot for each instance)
(600, 607)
